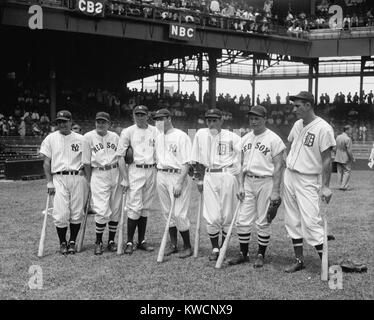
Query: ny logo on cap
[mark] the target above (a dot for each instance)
(61, 114)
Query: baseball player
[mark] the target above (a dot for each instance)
(262, 168)
(219, 151)
(173, 151)
(62, 152)
(101, 164)
(310, 141)
(139, 177)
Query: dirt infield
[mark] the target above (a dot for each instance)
(86, 276)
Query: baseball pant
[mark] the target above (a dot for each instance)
(140, 195)
(254, 208)
(69, 200)
(106, 195)
(220, 201)
(301, 203)
(165, 183)
(344, 173)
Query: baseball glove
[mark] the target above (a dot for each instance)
(273, 208)
(191, 170)
(199, 171)
(129, 156)
(353, 266)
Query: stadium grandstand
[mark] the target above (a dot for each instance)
(81, 57)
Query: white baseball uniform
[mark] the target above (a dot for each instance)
(173, 150)
(302, 179)
(106, 193)
(258, 167)
(142, 172)
(220, 155)
(65, 152)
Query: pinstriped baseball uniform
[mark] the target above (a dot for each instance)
(302, 181)
(173, 150)
(141, 192)
(65, 153)
(220, 188)
(258, 168)
(106, 194)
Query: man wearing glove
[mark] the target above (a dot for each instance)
(62, 151)
(139, 177)
(101, 166)
(259, 191)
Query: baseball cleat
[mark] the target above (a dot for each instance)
(185, 253)
(238, 260)
(99, 248)
(112, 247)
(129, 248)
(214, 256)
(296, 266)
(145, 246)
(72, 249)
(259, 262)
(63, 248)
(171, 249)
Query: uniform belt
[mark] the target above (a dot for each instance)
(108, 167)
(217, 170)
(170, 170)
(67, 173)
(257, 177)
(145, 166)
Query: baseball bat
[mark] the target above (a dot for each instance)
(120, 227)
(198, 223)
(42, 235)
(325, 252)
(161, 252)
(84, 223)
(222, 252)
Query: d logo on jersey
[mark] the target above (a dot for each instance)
(221, 149)
(309, 139)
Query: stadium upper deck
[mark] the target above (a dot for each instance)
(247, 29)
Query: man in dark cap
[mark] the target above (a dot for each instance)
(62, 151)
(101, 165)
(218, 150)
(139, 177)
(309, 159)
(173, 153)
(262, 169)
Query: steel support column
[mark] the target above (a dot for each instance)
(253, 80)
(162, 80)
(310, 77)
(363, 62)
(212, 79)
(316, 70)
(200, 70)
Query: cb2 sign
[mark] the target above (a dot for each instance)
(91, 7)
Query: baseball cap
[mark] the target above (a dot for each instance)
(303, 95)
(103, 115)
(258, 111)
(213, 113)
(141, 109)
(161, 113)
(63, 115)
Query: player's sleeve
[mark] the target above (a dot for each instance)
(86, 150)
(291, 135)
(124, 142)
(277, 146)
(326, 139)
(45, 148)
(195, 148)
(185, 147)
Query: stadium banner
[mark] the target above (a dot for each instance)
(94, 8)
(181, 32)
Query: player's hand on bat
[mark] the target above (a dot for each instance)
(51, 188)
(177, 190)
(326, 194)
(200, 186)
(125, 185)
(241, 194)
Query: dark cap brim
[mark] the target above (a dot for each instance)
(141, 111)
(213, 116)
(63, 118)
(102, 118)
(256, 114)
(293, 98)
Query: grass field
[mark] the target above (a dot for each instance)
(86, 276)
